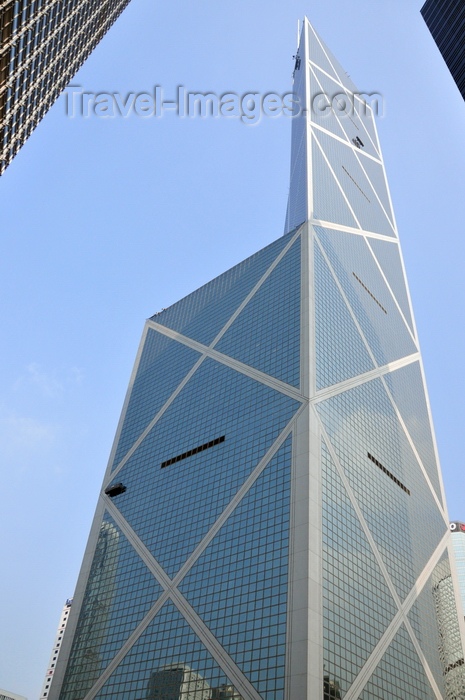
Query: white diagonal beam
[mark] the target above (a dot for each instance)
(246, 486)
(347, 384)
(339, 79)
(229, 361)
(403, 608)
(328, 132)
(353, 149)
(255, 289)
(367, 670)
(412, 334)
(360, 516)
(423, 659)
(338, 184)
(392, 223)
(416, 454)
(415, 356)
(129, 643)
(350, 229)
(111, 475)
(204, 350)
(223, 659)
(347, 303)
(170, 585)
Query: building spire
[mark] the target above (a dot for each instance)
(333, 131)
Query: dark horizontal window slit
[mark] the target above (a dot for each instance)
(388, 473)
(367, 290)
(189, 453)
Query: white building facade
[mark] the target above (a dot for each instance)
(64, 617)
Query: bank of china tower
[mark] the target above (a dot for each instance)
(273, 513)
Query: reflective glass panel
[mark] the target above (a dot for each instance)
(172, 508)
(361, 424)
(163, 365)
(368, 295)
(168, 662)
(266, 334)
(357, 604)
(340, 351)
(202, 314)
(388, 256)
(120, 591)
(400, 674)
(408, 392)
(239, 584)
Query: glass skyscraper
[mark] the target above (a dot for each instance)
(458, 545)
(446, 21)
(273, 514)
(43, 43)
(448, 599)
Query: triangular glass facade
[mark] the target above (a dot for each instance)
(272, 523)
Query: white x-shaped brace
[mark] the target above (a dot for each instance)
(170, 586)
(171, 591)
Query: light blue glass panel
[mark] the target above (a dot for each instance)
(202, 314)
(322, 92)
(239, 585)
(168, 662)
(357, 120)
(340, 351)
(329, 203)
(317, 54)
(375, 174)
(407, 389)
(400, 674)
(119, 593)
(388, 256)
(297, 201)
(327, 61)
(368, 114)
(343, 119)
(164, 364)
(362, 422)
(338, 70)
(357, 604)
(266, 334)
(172, 508)
(350, 111)
(368, 295)
(364, 107)
(355, 184)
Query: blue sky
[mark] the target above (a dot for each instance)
(106, 221)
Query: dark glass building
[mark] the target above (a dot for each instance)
(446, 22)
(42, 45)
(272, 515)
